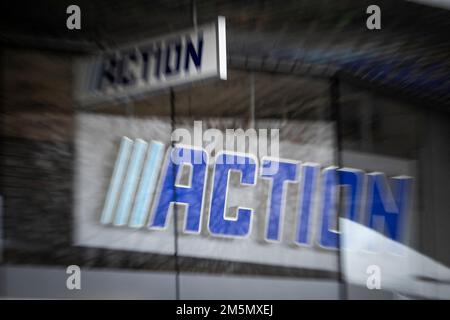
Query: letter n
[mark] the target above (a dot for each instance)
(387, 210)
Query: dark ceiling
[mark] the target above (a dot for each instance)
(410, 54)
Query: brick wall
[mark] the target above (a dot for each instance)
(36, 152)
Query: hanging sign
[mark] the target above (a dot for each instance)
(153, 65)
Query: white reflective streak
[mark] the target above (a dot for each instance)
(403, 270)
(445, 4)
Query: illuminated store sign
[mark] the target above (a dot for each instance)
(380, 203)
(153, 65)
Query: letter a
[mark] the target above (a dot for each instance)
(373, 21)
(74, 20)
(74, 280)
(374, 278)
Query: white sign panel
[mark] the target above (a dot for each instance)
(232, 206)
(99, 142)
(152, 65)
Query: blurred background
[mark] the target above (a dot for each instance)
(340, 94)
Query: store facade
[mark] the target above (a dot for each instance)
(145, 173)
